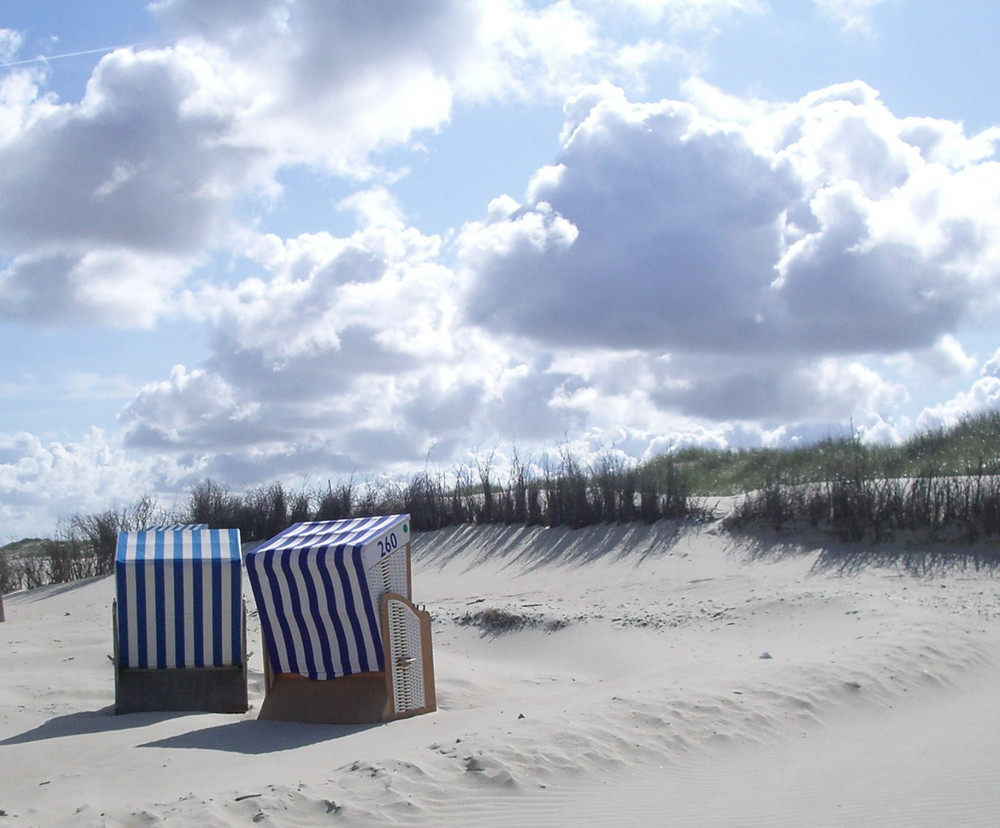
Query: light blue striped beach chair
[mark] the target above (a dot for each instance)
(179, 621)
(343, 641)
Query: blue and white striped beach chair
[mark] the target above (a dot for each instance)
(343, 641)
(180, 626)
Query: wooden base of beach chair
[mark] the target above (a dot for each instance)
(194, 689)
(357, 699)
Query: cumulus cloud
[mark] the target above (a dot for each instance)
(148, 172)
(42, 482)
(343, 352)
(334, 81)
(983, 395)
(106, 205)
(818, 228)
(672, 270)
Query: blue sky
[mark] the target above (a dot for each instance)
(304, 240)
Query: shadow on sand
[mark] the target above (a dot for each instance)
(242, 736)
(540, 546)
(86, 723)
(920, 559)
(257, 737)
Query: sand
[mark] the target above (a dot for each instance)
(640, 675)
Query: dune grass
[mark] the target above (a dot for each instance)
(941, 486)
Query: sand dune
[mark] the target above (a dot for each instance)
(628, 675)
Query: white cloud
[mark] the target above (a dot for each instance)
(41, 483)
(718, 270)
(983, 394)
(113, 287)
(688, 15)
(821, 229)
(946, 358)
(853, 15)
(671, 271)
(331, 82)
(347, 346)
(10, 44)
(148, 171)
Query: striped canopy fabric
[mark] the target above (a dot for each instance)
(179, 598)
(317, 587)
(172, 527)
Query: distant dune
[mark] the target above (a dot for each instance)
(625, 675)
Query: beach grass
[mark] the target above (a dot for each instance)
(940, 485)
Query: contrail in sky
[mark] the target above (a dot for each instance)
(47, 58)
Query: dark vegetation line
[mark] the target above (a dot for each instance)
(941, 485)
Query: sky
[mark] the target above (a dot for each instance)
(310, 241)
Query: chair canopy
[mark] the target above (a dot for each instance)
(317, 587)
(179, 597)
(170, 527)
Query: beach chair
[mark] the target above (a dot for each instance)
(343, 641)
(179, 621)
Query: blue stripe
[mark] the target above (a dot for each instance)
(338, 627)
(121, 576)
(256, 571)
(351, 611)
(370, 614)
(178, 567)
(279, 559)
(198, 598)
(310, 606)
(296, 612)
(159, 601)
(140, 601)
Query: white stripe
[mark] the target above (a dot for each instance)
(148, 576)
(130, 601)
(306, 611)
(340, 590)
(205, 610)
(325, 612)
(226, 610)
(187, 579)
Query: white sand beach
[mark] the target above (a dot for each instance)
(661, 675)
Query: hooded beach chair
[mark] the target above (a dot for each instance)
(179, 621)
(343, 642)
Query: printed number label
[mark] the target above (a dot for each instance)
(387, 544)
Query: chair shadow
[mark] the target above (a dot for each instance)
(248, 736)
(87, 722)
(257, 737)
